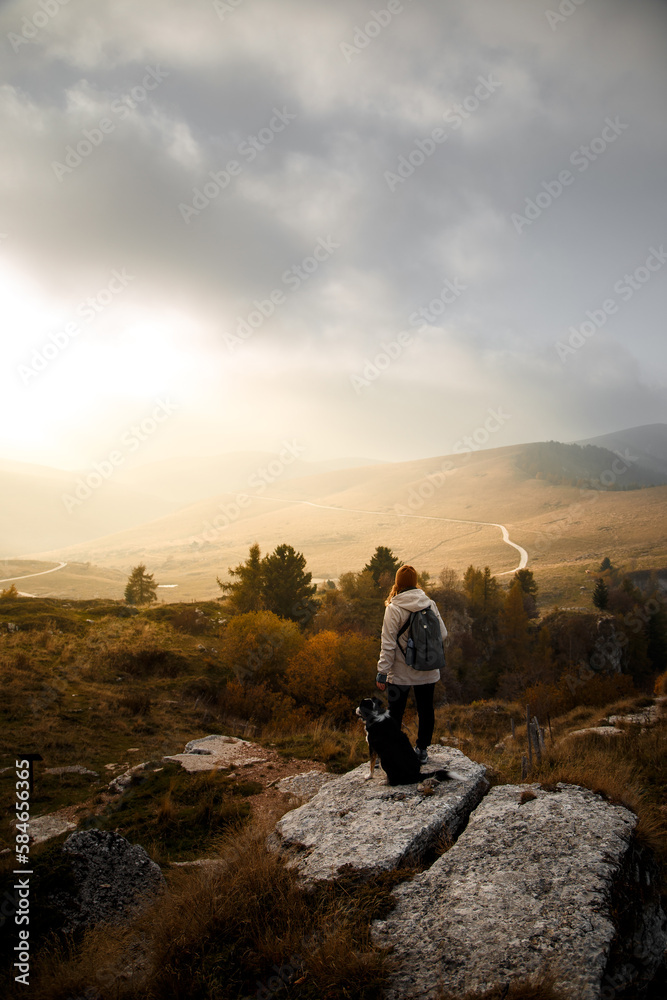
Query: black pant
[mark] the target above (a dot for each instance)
(398, 698)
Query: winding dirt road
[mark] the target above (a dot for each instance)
(523, 555)
(42, 572)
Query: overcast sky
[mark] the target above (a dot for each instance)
(446, 188)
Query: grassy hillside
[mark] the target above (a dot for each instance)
(567, 530)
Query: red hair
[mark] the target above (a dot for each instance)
(406, 579)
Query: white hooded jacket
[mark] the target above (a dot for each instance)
(392, 661)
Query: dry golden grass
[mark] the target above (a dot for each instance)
(229, 932)
(222, 932)
(556, 524)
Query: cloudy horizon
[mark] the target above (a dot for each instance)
(375, 229)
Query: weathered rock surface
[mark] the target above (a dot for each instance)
(50, 825)
(371, 826)
(304, 786)
(110, 878)
(118, 785)
(72, 769)
(216, 751)
(526, 888)
(598, 730)
(646, 717)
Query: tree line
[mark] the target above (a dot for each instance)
(316, 647)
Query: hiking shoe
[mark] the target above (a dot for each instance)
(422, 755)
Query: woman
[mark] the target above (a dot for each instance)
(393, 672)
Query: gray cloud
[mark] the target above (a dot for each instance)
(361, 115)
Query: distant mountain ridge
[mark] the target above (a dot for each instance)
(589, 466)
(645, 446)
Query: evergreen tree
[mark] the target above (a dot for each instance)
(361, 607)
(526, 580)
(287, 590)
(543, 656)
(601, 594)
(514, 627)
(605, 564)
(141, 587)
(383, 564)
(485, 601)
(246, 592)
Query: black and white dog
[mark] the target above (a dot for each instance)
(387, 741)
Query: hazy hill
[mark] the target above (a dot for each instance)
(588, 465)
(186, 479)
(338, 518)
(46, 508)
(34, 516)
(646, 446)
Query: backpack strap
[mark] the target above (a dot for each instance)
(406, 624)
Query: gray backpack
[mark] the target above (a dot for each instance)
(424, 649)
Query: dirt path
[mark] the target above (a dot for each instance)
(523, 555)
(43, 572)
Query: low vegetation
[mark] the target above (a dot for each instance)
(106, 686)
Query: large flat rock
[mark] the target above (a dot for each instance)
(212, 752)
(368, 826)
(526, 888)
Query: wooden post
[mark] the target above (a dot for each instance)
(550, 732)
(530, 749)
(512, 725)
(524, 768)
(536, 737)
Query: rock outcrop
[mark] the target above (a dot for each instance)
(50, 825)
(217, 751)
(366, 825)
(527, 888)
(109, 879)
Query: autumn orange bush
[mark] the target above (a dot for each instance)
(570, 691)
(661, 684)
(332, 672)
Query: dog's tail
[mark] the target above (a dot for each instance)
(442, 775)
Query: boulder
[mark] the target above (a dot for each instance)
(110, 878)
(354, 823)
(646, 717)
(212, 752)
(530, 887)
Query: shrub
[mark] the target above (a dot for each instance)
(257, 646)
(556, 699)
(661, 684)
(331, 672)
